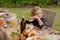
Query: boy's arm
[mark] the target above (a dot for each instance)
(40, 21)
(28, 20)
(44, 21)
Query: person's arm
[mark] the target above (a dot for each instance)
(40, 21)
(28, 20)
(44, 21)
(23, 24)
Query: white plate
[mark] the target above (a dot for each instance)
(56, 37)
(1, 14)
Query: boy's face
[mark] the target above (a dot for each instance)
(39, 13)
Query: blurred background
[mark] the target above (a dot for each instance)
(23, 8)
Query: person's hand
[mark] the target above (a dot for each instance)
(32, 18)
(35, 17)
(24, 18)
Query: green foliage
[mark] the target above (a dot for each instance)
(16, 3)
(58, 2)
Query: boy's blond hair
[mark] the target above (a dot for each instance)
(33, 12)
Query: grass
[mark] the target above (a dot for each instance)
(26, 12)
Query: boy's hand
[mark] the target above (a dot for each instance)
(35, 17)
(32, 18)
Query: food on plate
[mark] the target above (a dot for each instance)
(32, 34)
(13, 22)
(13, 34)
(37, 38)
(22, 37)
(2, 22)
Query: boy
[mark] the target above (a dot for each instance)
(36, 19)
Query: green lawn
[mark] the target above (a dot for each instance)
(26, 12)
